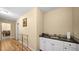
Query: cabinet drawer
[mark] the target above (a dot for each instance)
(69, 49)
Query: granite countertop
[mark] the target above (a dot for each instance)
(72, 39)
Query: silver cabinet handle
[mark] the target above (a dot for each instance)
(69, 44)
(65, 48)
(52, 44)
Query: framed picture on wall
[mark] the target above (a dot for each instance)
(25, 22)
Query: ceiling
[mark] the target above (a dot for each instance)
(13, 13)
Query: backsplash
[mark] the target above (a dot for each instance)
(54, 35)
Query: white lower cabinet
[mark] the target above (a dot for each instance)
(70, 46)
(77, 47)
(47, 44)
(50, 44)
(54, 45)
(42, 43)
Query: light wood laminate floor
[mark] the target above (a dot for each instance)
(12, 45)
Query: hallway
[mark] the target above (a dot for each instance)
(12, 45)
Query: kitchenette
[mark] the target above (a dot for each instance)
(58, 43)
(60, 30)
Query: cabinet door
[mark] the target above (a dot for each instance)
(54, 45)
(42, 44)
(49, 46)
(69, 46)
(77, 47)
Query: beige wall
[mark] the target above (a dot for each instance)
(13, 27)
(33, 18)
(40, 23)
(30, 30)
(58, 21)
(76, 21)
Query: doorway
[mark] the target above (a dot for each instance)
(5, 31)
(8, 41)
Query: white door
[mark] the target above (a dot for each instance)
(17, 31)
